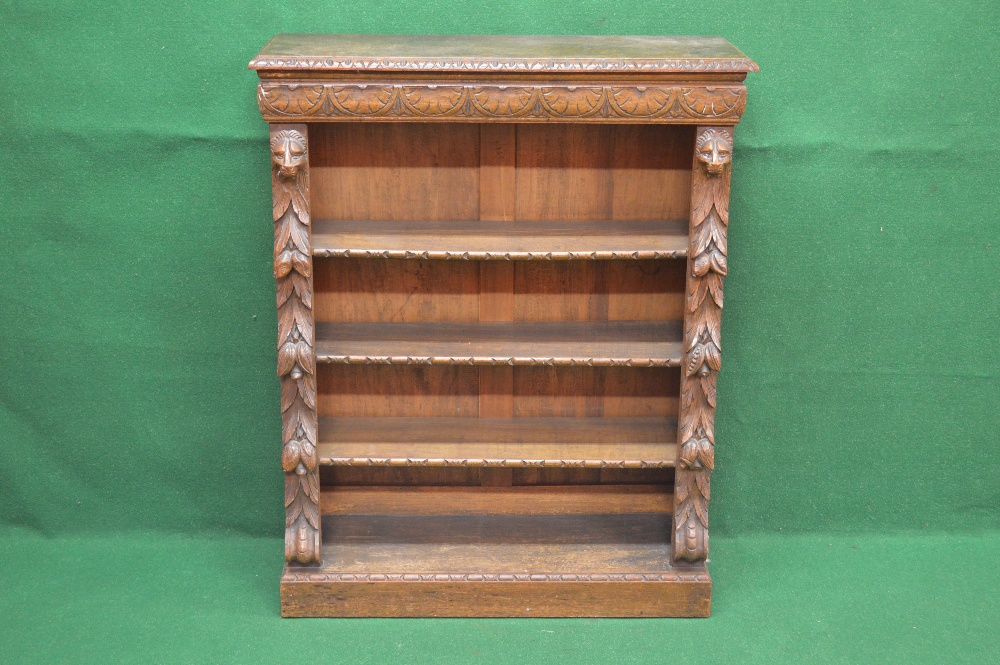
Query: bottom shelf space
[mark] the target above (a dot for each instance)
(538, 551)
(512, 442)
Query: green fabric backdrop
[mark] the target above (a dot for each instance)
(862, 338)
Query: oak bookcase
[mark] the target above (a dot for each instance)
(499, 265)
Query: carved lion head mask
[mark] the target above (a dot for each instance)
(715, 150)
(288, 152)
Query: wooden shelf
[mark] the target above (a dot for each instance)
(629, 443)
(591, 343)
(478, 240)
(497, 551)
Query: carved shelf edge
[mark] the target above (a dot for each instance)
(486, 360)
(283, 101)
(307, 577)
(498, 256)
(583, 65)
(501, 462)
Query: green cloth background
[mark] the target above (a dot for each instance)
(856, 509)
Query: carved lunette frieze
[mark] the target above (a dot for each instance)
(282, 101)
(702, 342)
(296, 340)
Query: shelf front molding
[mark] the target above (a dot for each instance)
(520, 343)
(306, 576)
(476, 240)
(503, 462)
(638, 255)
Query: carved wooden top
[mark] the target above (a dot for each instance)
(501, 53)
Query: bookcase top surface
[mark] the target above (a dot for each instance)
(517, 53)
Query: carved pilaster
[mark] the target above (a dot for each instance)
(702, 360)
(296, 342)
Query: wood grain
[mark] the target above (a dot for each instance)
(558, 343)
(504, 442)
(371, 391)
(686, 594)
(385, 172)
(360, 290)
(594, 392)
(522, 500)
(497, 172)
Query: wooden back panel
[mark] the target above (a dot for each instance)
(463, 172)
(400, 171)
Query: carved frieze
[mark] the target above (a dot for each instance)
(282, 101)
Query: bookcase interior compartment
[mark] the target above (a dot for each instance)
(383, 172)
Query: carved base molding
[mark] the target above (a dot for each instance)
(282, 101)
(319, 593)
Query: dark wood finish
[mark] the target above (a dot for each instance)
(591, 343)
(498, 342)
(399, 477)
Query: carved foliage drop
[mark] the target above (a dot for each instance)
(296, 340)
(702, 344)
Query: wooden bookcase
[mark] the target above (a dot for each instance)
(499, 267)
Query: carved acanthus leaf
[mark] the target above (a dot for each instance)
(707, 266)
(296, 356)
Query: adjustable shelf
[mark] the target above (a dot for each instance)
(499, 265)
(489, 241)
(625, 443)
(591, 343)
